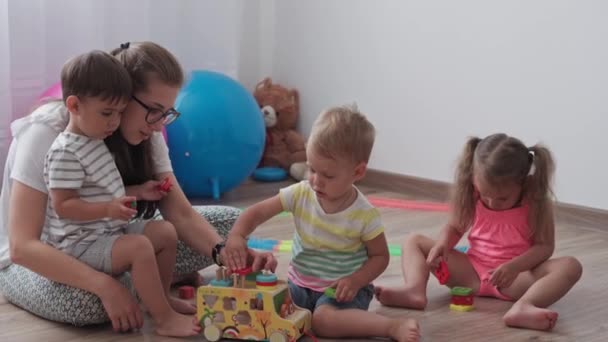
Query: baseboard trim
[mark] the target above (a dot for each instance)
(428, 189)
(435, 190)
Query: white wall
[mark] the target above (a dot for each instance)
(427, 73)
(431, 73)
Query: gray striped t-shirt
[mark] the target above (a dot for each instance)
(80, 163)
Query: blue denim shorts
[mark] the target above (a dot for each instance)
(309, 299)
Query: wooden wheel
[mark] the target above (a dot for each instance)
(212, 333)
(277, 337)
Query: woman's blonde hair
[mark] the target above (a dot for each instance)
(499, 159)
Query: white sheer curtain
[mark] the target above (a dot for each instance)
(5, 93)
(38, 36)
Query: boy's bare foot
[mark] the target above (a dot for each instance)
(401, 297)
(406, 330)
(181, 305)
(177, 325)
(523, 315)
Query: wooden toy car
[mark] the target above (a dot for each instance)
(250, 306)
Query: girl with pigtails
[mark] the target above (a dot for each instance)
(502, 196)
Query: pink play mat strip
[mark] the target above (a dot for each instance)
(407, 204)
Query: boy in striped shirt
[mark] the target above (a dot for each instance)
(339, 239)
(89, 209)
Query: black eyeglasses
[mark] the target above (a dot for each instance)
(155, 115)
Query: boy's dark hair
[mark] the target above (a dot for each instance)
(96, 74)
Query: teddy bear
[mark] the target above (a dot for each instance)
(284, 147)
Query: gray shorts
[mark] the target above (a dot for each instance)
(98, 255)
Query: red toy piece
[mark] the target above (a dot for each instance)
(186, 292)
(243, 271)
(442, 273)
(165, 185)
(132, 204)
(462, 299)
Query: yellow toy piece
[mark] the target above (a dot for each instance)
(253, 307)
(462, 299)
(462, 308)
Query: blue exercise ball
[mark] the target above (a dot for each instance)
(218, 140)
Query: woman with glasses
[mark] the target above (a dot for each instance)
(53, 285)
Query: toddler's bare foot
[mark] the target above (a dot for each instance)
(522, 315)
(406, 330)
(401, 297)
(177, 325)
(182, 306)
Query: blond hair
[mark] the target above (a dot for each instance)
(498, 159)
(343, 132)
(95, 74)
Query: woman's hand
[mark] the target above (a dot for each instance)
(121, 306)
(235, 254)
(257, 260)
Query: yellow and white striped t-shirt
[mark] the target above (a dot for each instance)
(327, 247)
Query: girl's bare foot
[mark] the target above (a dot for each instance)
(177, 325)
(523, 315)
(406, 330)
(401, 297)
(181, 305)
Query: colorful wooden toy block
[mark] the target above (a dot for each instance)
(253, 306)
(165, 185)
(442, 273)
(186, 292)
(330, 292)
(266, 281)
(462, 299)
(132, 204)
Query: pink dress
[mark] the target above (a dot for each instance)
(497, 237)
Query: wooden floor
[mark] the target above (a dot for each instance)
(583, 314)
